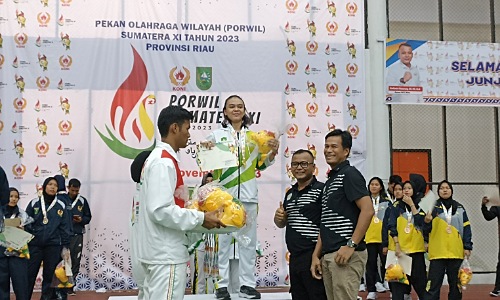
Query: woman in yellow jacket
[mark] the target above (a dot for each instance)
(450, 240)
(405, 228)
(373, 237)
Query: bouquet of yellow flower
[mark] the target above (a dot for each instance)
(261, 139)
(212, 197)
(465, 273)
(395, 273)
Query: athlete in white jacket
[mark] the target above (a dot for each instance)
(162, 219)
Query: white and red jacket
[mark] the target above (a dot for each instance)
(160, 221)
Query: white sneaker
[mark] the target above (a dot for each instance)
(380, 287)
(407, 297)
(362, 287)
(386, 285)
(371, 296)
(359, 298)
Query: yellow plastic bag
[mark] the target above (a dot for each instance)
(395, 273)
(212, 197)
(465, 273)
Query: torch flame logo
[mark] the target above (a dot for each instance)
(126, 98)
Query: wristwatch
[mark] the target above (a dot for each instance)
(351, 244)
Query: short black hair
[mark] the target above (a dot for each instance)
(246, 121)
(405, 45)
(395, 178)
(172, 114)
(300, 151)
(73, 182)
(344, 135)
(137, 164)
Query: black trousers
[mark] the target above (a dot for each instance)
(418, 279)
(372, 271)
(15, 269)
(51, 256)
(437, 269)
(302, 285)
(75, 247)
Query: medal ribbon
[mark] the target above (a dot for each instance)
(376, 204)
(76, 200)
(447, 214)
(45, 210)
(241, 143)
(409, 215)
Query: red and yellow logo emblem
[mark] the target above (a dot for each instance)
(43, 19)
(42, 148)
(312, 108)
(292, 130)
(2, 60)
(332, 88)
(21, 39)
(1, 126)
(332, 27)
(351, 8)
(20, 104)
(130, 98)
(65, 127)
(65, 61)
(179, 77)
(351, 69)
(43, 82)
(312, 47)
(291, 5)
(353, 130)
(291, 66)
(18, 170)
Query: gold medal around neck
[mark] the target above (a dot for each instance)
(376, 220)
(448, 229)
(408, 230)
(45, 220)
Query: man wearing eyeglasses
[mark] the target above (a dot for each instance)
(340, 255)
(300, 212)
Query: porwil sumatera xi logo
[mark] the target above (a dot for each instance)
(128, 100)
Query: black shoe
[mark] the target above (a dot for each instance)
(61, 294)
(222, 294)
(248, 292)
(495, 293)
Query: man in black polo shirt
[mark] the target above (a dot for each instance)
(301, 214)
(340, 254)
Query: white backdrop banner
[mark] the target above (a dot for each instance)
(442, 73)
(81, 84)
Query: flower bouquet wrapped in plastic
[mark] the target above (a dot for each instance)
(395, 273)
(63, 276)
(465, 273)
(261, 138)
(213, 197)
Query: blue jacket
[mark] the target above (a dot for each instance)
(56, 232)
(80, 208)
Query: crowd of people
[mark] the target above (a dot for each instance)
(56, 219)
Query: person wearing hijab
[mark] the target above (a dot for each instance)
(14, 264)
(4, 188)
(405, 228)
(450, 240)
(52, 231)
(387, 240)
